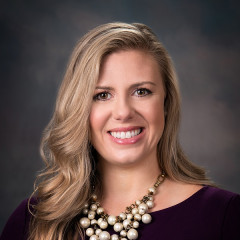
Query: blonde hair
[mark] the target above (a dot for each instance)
(65, 184)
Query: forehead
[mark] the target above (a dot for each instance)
(129, 64)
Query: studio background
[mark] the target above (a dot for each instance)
(37, 38)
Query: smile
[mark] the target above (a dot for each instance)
(127, 134)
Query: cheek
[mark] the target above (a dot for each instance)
(155, 116)
(97, 119)
(154, 111)
(158, 116)
(94, 120)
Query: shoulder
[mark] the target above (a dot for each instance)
(215, 200)
(18, 223)
(215, 211)
(218, 196)
(174, 193)
(229, 204)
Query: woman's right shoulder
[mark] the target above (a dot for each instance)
(17, 225)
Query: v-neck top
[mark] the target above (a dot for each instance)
(210, 214)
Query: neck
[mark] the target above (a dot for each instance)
(123, 185)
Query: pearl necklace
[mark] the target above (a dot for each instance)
(125, 224)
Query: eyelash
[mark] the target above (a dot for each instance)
(147, 92)
(97, 97)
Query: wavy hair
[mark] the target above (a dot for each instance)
(65, 184)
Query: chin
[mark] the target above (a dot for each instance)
(124, 159)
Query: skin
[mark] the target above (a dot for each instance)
(130, 95)
(135, 99)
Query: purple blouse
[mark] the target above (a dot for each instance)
(209, 214)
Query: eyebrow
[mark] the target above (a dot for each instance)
(132, 86)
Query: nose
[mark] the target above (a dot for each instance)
(123, 109)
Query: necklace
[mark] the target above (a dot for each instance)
(125, 224)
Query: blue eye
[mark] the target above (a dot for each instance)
(141, 92)
(103, 96)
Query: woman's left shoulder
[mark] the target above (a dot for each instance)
(229, 203)
(219, 196)
(225, 206)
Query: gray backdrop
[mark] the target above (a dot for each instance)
(37, 38)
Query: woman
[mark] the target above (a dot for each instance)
(114, 134)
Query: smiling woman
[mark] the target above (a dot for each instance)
(127, 123)
(114, 134)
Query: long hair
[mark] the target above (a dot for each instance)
(65, 184)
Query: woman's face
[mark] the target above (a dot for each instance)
(127, 114)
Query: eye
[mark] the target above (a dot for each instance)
(103, 96)
(141, 92)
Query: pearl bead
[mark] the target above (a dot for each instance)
(98, 231)
(118, 227)
(89, 232)
(99, 221)
(138, 202)
(93, 237)
(114, 237)
(143, 206)
(103, 224)
(85, 211)
(152, 190)
(134, 211)
(91, 214)
(129, 216)
(93, 207)
(123, 233)
(150, 198)
(141, 211)
(135, 224)
(123, 239)
(137, 217)
(94, 197)
(86, 205)
(132, 234)
(122, 216)
(104, 235)
(126, 223)
(112, 220)
(150, 204)
(100, 210)
(85, 222)
(93, 222)
(146, 218)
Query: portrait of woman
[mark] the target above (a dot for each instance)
(114, 167)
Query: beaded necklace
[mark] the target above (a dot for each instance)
(125, 224)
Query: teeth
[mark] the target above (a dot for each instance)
(128, 134)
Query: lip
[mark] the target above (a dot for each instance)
(127, 141)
